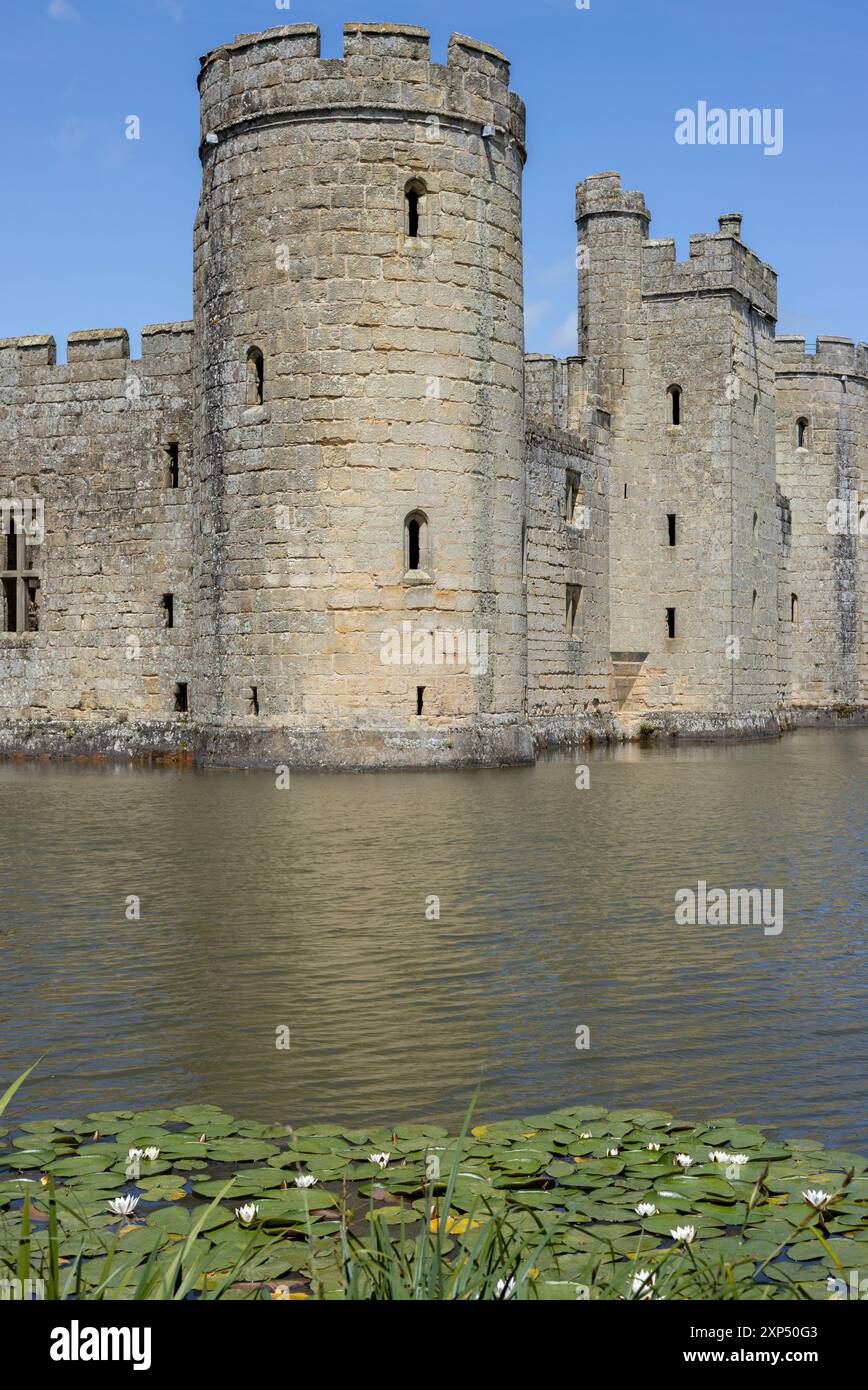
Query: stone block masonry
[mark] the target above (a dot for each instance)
(340, 520)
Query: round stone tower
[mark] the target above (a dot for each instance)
(359, 478)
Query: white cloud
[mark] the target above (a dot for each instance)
(62, 9)
(562, 272)
(566, 337)
(175, 9)
(534, 312)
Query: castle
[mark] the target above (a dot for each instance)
(340, 519)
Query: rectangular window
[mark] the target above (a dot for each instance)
(670, 522)
(173, 465)
(181, 703)
(21, 591)
(670, 622)
(167, 604)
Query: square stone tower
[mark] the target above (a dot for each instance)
(684, 355)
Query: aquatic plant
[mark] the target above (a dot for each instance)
(538, 1207)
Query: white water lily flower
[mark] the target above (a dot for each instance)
(380, 1159)
(643, 1283)
(586, 1134)
(685, 1233)
(247, 1213)
(133, 1154)
(718, 1156)
(646, 1209)
(816, 1197)
(152, 1153)
(612, 1153)
(739, 1158)
(123, 1206)
(305, 1180)
(684, 1159)
(654, 1147)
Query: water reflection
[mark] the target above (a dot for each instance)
(306, 908)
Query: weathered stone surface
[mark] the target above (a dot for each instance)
(359, 235)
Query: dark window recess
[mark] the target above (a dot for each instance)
(670, 521)
(254, 699)
(794, 608)
(10, 605)
(255, 376)
(625, 489)
(420, 698)
(802, 433)
(675, 404)
(413, 544)
(412, 212)
(167, 603)
(181, 703)
(172, 465)
(670, 622)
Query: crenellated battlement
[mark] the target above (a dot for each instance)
(601, 195)
(276, 76)
(719, 262)
(832, 356)
(101, 347)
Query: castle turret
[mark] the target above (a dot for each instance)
(822, 466)
(359, 329)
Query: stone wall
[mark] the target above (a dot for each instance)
(567, 550)
(823, 464)
(89, 438)
(392, 381)
(693, 520)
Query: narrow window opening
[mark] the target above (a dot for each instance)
(412, 212)
(255, 376)
(10, 606)
(33, 597)
(575, 498)
(181, 703)
(753, 607)
(420, 698)
(416, 556)
(415, 196)
(670, 523)
(167, 604)
(253, 700)
(574, 600)
(413, 544)
(794, 608)
(625, 489)
(802, 433)
(524, 551)
(675, 404)
(670, 622)
(172, 465)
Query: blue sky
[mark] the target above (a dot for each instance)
(96, 229)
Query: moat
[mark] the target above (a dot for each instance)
(306, 916)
